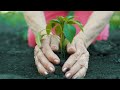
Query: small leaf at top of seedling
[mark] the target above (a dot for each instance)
(70, 17)
(69, 32)
(38, 39)
(60, 18)
(71, 22)
(55, 21)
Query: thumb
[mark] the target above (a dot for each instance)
(54, 44)
(71, 48)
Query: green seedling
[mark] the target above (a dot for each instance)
(64, 28)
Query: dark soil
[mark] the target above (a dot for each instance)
(17, 62)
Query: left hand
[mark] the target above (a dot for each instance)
(77, 63)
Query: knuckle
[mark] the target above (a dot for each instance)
(45, 50)
(78, 65)
(54, 47)
(77, 54)
(72, 48)
(46, 64)
(68, 65)
(50, 56)
(39, 54)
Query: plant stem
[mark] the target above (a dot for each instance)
(62, 48)
(61, 42)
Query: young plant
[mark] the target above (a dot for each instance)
(64, 28)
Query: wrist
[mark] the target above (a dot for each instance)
(81, 35)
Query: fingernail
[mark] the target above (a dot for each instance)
(75, 77)
(56, 60)
(46, 73)
(64, 69)
(84, 75)
(52, 69)
(68, 75)
(78, 77)
(71, 49)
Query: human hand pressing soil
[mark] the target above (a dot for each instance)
(77, 63)
(45, 57)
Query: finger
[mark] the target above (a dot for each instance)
(54, 43)
(51, 56)
(71, 48)
(82, 62)
(71, 61)
(40, 68)
(36, 50)
(80, 74)
(44, 61)
(46, 41)
(74, 69)
(47, 51)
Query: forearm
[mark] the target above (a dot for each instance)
(96, 23)
(36, 21)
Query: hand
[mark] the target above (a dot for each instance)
(77, 63)
(45, 57)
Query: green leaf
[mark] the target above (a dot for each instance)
(60, 18)
(65, 42)
(69, 32)
(71, 22)
(48, 28)
(38, 39)
(51, 25)
(76, 22)
(58, 30)
(79, 24)
(70, 17)
(55, 21)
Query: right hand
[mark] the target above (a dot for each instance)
(45, 57)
